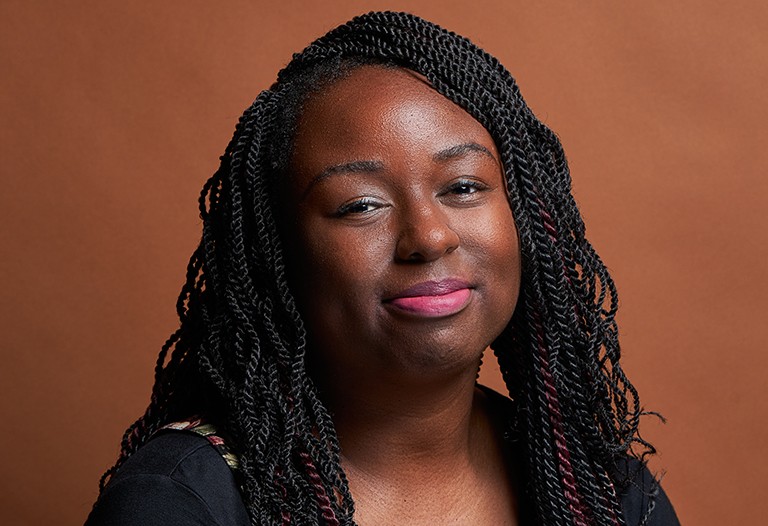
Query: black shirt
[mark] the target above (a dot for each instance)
(176, 478)
(179, 478)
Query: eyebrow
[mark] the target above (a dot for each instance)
(351, 167)
(462, 149)
(447, 154)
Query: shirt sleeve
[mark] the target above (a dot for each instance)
(150, 500)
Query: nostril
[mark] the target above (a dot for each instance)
(426, 241)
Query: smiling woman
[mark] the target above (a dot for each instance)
(388, 210)
(409, 249)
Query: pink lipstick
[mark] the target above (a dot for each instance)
(433, 299)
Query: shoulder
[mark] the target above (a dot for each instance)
(642, 498)
(500, 406)
(175, 478)
(643, 501)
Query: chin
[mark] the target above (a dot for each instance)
(433, 361)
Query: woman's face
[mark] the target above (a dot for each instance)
(406, 259)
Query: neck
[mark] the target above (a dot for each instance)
(421, 450)
(390, 427)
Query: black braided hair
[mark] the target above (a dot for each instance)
(238, 355)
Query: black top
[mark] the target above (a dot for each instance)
(179, 478)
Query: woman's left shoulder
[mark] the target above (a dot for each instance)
(643, 500)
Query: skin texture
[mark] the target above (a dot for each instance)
(395, 186)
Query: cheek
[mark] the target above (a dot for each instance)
(498, 252)
(507, 268)
(340, 263)
(492, 231)
(338, 282)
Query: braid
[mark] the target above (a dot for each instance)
(238, 356)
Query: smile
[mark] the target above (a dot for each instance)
(433, 299)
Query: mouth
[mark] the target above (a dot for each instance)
(433, 299)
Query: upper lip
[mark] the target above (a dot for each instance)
(432, 288)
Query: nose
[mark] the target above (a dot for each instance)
(425, 235)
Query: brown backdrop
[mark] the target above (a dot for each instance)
(114, 113)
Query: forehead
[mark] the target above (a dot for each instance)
(376, 109)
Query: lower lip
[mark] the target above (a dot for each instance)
(434, 306)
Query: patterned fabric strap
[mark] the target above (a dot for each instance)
(198, 426)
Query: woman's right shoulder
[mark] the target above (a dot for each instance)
(177, 477)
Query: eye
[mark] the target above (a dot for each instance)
(362, 206)
(464, 188)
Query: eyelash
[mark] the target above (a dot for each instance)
(474, 186)
(348, 208)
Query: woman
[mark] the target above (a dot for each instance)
(384, 213)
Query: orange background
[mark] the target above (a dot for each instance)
(114, 113)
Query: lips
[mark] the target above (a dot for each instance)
(433, 299)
